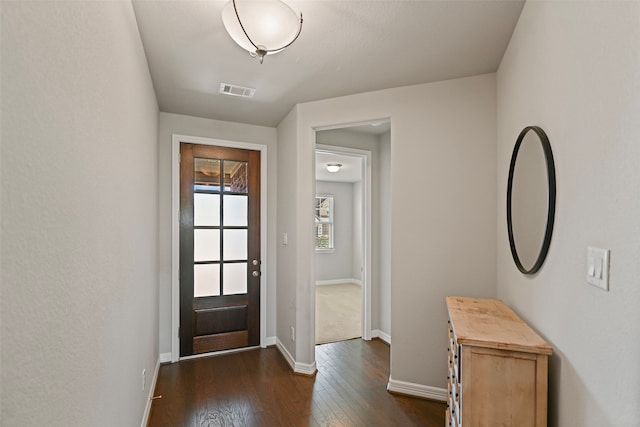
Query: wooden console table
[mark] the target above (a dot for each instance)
(498, 367)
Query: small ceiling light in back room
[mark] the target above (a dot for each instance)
(262, 27)
(333, 167)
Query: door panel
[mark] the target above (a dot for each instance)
(219, 248)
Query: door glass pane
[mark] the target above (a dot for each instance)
(235, 210)
(235, 278)
(235, 176)
(206, 280)
(206, 209)
(206, 174)
(235, 245)
(206, 245)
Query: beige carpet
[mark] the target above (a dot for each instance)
(338, 312)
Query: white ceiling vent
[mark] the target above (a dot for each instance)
(235, 90)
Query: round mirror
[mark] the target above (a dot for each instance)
(531, 199)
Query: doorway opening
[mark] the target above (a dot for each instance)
(350, 298)
(339, 244)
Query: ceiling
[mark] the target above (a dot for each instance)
(346, 47)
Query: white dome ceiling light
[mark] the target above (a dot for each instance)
(333, 167)
(267, 26)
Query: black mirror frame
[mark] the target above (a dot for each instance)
(551, 175)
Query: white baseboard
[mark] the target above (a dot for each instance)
(417, 390)
(338, 282)
(305, 368)
(152, 389)
(285, 353)
(269, 341)
(377, 333)
(165, 357)
(297, 367)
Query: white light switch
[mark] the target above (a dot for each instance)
(598, 267)
(285, 239)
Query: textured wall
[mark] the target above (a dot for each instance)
(574, 69)
(79, 216)
(287, 279)
(443, 215)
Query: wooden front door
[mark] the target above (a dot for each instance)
(219, 248)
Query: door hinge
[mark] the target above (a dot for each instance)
(179, 157)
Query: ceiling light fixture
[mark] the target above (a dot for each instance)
(333, 167)
(273, 25)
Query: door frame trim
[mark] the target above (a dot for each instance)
(176, 139)
(366, 157)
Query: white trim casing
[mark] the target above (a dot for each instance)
(417, 390)
(152, 389)
(176, 139)
(165, 357)
(366, 227)
(269, 341)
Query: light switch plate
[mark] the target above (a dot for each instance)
(598, 267)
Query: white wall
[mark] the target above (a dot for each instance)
(574, 69)
(194, 126)
(338, 264)
(287, 272)
(79, 216)
(443, 173)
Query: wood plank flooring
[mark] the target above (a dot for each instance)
(258, 388)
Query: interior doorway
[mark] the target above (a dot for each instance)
(352, 270)
(340, 243)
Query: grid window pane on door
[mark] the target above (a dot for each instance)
(324, 222)
(221, 227)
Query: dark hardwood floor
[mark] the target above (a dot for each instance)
(258, 388)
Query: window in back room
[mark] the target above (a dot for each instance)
(324, 222)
